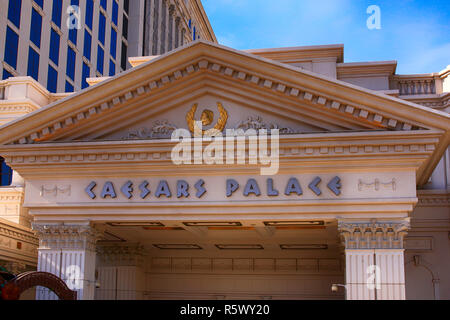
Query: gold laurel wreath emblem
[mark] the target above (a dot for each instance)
(218, 128)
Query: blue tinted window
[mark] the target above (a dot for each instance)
(101, 28)
(36, 27)
(89, 13)
(70, 68)
(52, 80)
(6, 74)
(75, 2)
(5, 174)
(57, 12)
(33, 64)
(54, 46)
(195, 33)
(100, 59)
(87, 45)
(115, 12)
(113, 48)
(104, 4)
(14, 9)
(69, 87)
(40, 3)
(86, 74)
(73, 36)
(11, 47)
(112, 68)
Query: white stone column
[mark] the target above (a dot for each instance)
(392, 267)
(374, 254)
(68, 251)
(357, 262)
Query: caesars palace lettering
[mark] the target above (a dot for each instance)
(293, 187)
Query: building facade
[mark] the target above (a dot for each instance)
(61, 43)
(361, 196)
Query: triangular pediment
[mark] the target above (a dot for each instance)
(148, 101)
(254, 91)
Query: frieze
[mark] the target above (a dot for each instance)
(183, 190)
(158, 155)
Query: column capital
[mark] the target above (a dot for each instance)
(373, 234)
(66, 236)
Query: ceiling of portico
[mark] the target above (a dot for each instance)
(178, 237)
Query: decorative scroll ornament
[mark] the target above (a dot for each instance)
(257, 123)
(377, 184)
(56, 190)
(207, 119)
(161, 130)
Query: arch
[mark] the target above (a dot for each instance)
(32, 279)
(419, 262)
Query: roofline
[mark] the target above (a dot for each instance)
(206, 20)
(301, 53)
(201, 42)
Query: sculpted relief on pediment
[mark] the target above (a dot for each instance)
(213, 120)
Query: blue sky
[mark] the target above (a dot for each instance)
(415, 33)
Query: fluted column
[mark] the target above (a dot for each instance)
(164, 13)
(178, 41)
(172, 16)
(374, 257)
(68, 251)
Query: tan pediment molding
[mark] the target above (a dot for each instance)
(338, 108)
(125, 93)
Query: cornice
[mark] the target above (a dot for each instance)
(379, 68)
(438, 101)
(22, 105)
(300, 54)
(357, 150)
(11, 194)
(17, 232)
(433, 198)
